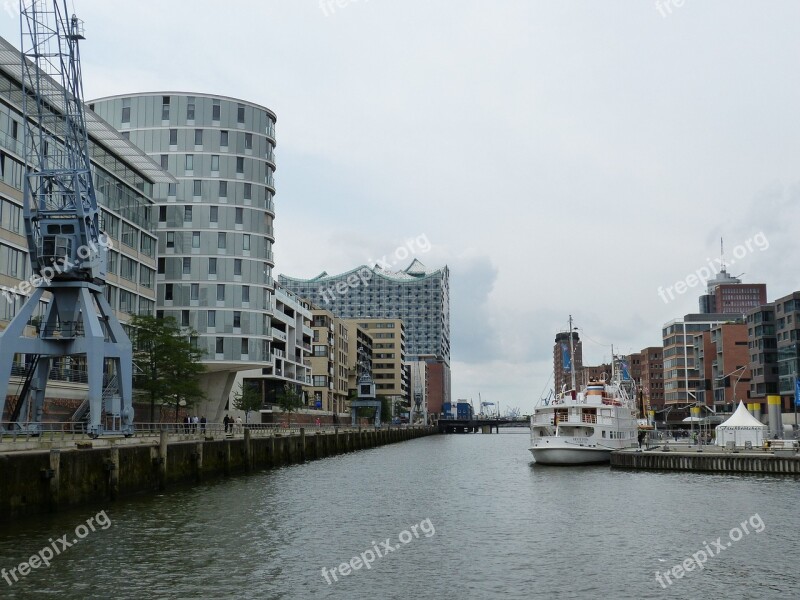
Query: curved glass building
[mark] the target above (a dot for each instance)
(214, 225)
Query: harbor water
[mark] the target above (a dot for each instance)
(467, 516)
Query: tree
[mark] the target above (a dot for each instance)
(247, 399)
(289, 401)
(168, 363)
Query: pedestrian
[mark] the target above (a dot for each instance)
(319, 423)
(203, 422)
(186, 421)
(227, 422)
(239, 427)
(195, 423)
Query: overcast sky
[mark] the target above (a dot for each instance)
(561, 157)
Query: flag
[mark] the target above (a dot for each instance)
(796, 391)
(565, 360)
(625, 374)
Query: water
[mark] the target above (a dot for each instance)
(504, 528)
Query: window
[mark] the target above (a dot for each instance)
(165, 108)
(162, 214)
(195, 239)
(187, 214)
(165, 161)
(127, 268)
(190, 109)
(245, 346)
(184, 318)
(172, 190)
(219, 347)
(320, 351)
(240, 164)
(239, 216)
(215, 110)
(222, 241)
(248, 141)
(246, 241)
(197, 188)
(223, 189)
(173, 137)
(126, 111)
(240, 113)
(212, 318)
(223, 139)
(248, 190)
(187, 265)
(215, 162)
(14, 129)
(245, 294)
(190, 162)
(198, 137)
(237, 319)
(320, 381)
(212, 266)
(213, 214)
(237, 266)
(129, 235)
(170, 239)
(168, 291)
(220, 293)
(162, 266)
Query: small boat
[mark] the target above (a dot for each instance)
(584, 427)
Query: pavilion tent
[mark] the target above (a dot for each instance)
(741, 427)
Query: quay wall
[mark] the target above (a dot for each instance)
(777, 463)
(38, 481)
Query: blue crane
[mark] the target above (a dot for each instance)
(66, 244)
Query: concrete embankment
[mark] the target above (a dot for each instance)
(37, 481)
(779, 462)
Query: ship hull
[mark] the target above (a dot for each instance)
(555, 455)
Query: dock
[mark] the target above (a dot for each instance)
(710, 459)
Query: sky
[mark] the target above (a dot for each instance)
(562, 158)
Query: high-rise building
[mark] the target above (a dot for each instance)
(563, 364)
(388, 356)
(214, 224)
(330, 349)
(418, 296)
(728, 295)
(126, 183)
(722, 361)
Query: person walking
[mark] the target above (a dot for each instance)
(203, 424)
(239, 427)
(227, 422)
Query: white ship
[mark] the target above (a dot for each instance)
(584, 427)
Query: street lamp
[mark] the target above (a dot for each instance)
(735, 383)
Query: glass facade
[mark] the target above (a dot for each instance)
(214, 227)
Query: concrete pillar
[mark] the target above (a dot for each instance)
(54, 478)
(756, 410)
(248, 451)
(198, 461)
(227, 457)
(774, 415)
(162, 460)
(113, 473)
(302, 457)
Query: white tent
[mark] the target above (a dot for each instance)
(741, 427)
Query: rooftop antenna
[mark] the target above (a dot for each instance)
(722, 254)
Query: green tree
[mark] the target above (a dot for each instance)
(247, 399)
(289, 401)
(168, 363)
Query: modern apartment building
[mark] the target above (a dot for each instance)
(388, 356)
(681, 376)
(360, 349)
(762, 342)
(723, 366)
(651, 377)
(330, 347)
(214, 224)
(126, 183)
(418, 296)
(787, 334)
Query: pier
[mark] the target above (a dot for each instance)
(56, 471)
(710, 459)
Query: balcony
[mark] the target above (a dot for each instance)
(278, 334)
